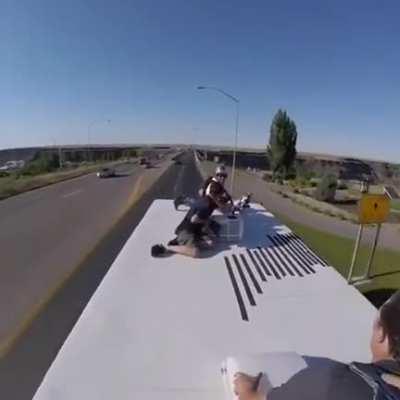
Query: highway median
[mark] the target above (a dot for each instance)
(15, 183)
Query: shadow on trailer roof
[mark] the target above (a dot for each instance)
(162, 326)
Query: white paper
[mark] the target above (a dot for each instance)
(277, 369)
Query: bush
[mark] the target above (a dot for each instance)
(132, 153)
(326, 189)
(342, 185)
(4, 174)
(41, 164)
(302, 181)
(266, 177)
(303, 173)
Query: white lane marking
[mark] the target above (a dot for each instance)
(75, 192)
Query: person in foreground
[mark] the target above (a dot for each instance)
(193, 234)
(329, 379)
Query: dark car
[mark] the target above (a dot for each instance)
(106, 172)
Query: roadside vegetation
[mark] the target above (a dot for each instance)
(326, 189)
(320, 189)
(16, 183)
(395, 205)
(290, 179)
(46, 169)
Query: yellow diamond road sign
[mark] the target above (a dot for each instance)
(373, 208)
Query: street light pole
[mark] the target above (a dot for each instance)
(235, 148)
(237, 102)
(88, 140)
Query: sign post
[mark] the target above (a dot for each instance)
(372, 209)
(371, 257)
(355, 252)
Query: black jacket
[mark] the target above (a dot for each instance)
(201, 207)
(326, 379)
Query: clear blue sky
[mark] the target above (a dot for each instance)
(333, 65)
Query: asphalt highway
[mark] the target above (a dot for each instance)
(24, 366)
(45, 233)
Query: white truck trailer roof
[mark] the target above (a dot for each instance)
(160, 327)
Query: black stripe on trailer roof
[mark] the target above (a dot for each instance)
(270, 266)
(260, 260)
(306, 255)
(239, 298)
(250, 272)
(273, 259)
(257, 267)
(244, 281)
(321, 260)
(304, 262)
(282, 260)
(280, 248)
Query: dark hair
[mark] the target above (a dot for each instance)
(257, 382)
(389, 320)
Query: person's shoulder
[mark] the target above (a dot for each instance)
(324, 363)
(322, 379)
(216, 186)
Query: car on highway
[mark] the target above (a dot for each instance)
(106, 172)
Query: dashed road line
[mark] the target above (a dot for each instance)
(74, 193)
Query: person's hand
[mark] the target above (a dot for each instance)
(244, 386)
(227, 208)
(227, 198)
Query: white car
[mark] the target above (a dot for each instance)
(106, 173)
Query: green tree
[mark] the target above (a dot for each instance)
(140, 153)
(326, 188)
(281, 149)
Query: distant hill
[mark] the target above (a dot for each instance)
(349, 168)
(26, 154)
(344, 167)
